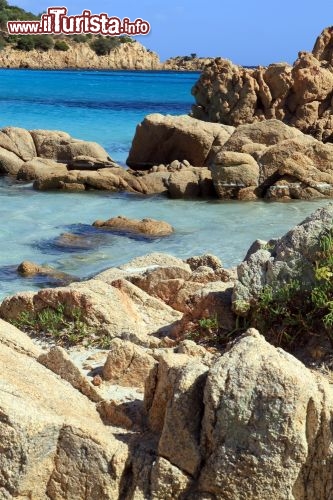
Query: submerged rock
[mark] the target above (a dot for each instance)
(146, 227)
(29, 269)
(73, 242)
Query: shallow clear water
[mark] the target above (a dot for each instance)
(106, 107)
(102, 106)
(31, 221)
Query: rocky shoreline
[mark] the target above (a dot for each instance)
(268, 160)
(154, 402)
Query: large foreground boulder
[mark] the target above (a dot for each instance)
(266, 397)
(53, 443)
(251, 426)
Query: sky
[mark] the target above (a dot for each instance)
(249, 32)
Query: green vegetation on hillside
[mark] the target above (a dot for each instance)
(13, 13)
(61, 45)
(104, 45)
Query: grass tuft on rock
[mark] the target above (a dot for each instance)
(63, 327)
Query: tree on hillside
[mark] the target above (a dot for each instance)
(103, 45)
(26, 43)
(43, 42)
(61, 45)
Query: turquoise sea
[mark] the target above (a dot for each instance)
(106, 107)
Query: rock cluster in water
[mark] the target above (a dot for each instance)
(299, 95)
(181, 157)
(266, 159)
(156, 416)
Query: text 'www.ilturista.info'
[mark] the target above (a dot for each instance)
(56, 21)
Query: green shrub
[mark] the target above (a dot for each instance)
(61, 45)
(29, 42)
(103, 45)
(291, 313)
(126, 39)
(3, 20)
(43, 42)
(17, 14)
(3, 43)
(79, 38)
(204, 331)
(26, 43)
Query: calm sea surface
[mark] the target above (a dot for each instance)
(106, 107)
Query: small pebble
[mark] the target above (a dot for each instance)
(97, 381)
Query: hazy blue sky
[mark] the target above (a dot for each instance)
(247, 32)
